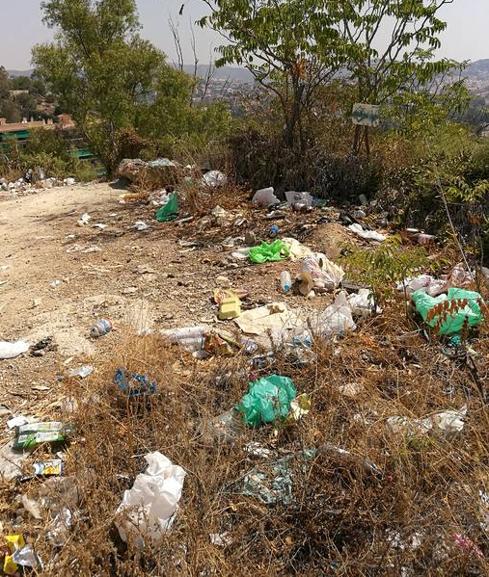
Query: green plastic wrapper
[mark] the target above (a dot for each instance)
(34, 434)
(170, 210)
(267, 400)
(269, 252)
(454, 322)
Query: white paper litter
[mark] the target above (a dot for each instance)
(12, 350)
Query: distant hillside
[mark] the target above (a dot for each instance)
(15, 73)
(231, 73)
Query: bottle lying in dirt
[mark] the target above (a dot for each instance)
(285, 281)
(32, 434)
(101, 328)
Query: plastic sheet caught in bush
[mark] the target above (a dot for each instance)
(148, 508)
(449, 313)
(170, 210)
(267, 400)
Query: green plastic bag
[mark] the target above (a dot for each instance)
(453, 324)
(267, 400)
(265, 252)
(170, 210)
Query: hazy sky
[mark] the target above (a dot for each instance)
(465, 39)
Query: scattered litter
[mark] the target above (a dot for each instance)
(220, 539)
(140, 225)
(33, 434)
(275, 319)
(272, 482)
(326, 275)
(267, 400)
(134, 384)
(274, 231)
(230, 306)
(100, 226)
(82, 372)
(285, 281)
(363, 303)
(265, 197)
(425, 283)
(148, 508)
(17, 421)
(100, 328)
(300, 407)
(336, 319)
(168, 211)
(55, 283)
(84, 219)
(20, 554)
(214, 178)
(50, 468)
(299, 200)
(268, 252)
(449, 422)
(297, 251)
(11, 462)
(366, 234)
(450, 312)
(12, 350)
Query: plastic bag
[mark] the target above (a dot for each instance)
(265, 197)
(424, 282)
(337, 318)
(267, 400)
(12, 350)
(454, 321)
(170, 210)
(150, 505)
(363, 303)
(325, 274)
(366, 234)
(268, 252)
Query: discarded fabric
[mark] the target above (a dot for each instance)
(149, 507)
(267, 400)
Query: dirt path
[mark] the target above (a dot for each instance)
(58, 278)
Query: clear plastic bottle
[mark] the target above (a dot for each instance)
(285, 281)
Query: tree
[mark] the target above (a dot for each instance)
(405, 63)
(290, 46)
(100, 69)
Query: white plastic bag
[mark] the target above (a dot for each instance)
(214, 178)
(429, 284)
(265, 197)
(363, 303)
(366, 234)
(336, 319)
(12, 350)
(149, 507)
(325, 274)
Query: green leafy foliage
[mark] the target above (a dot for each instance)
(110, 79)
(384, 266)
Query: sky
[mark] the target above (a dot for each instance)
(466, 37)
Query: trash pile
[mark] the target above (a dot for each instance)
(28, 185)
(314, 429)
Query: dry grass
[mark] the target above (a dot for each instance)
(344, 518)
